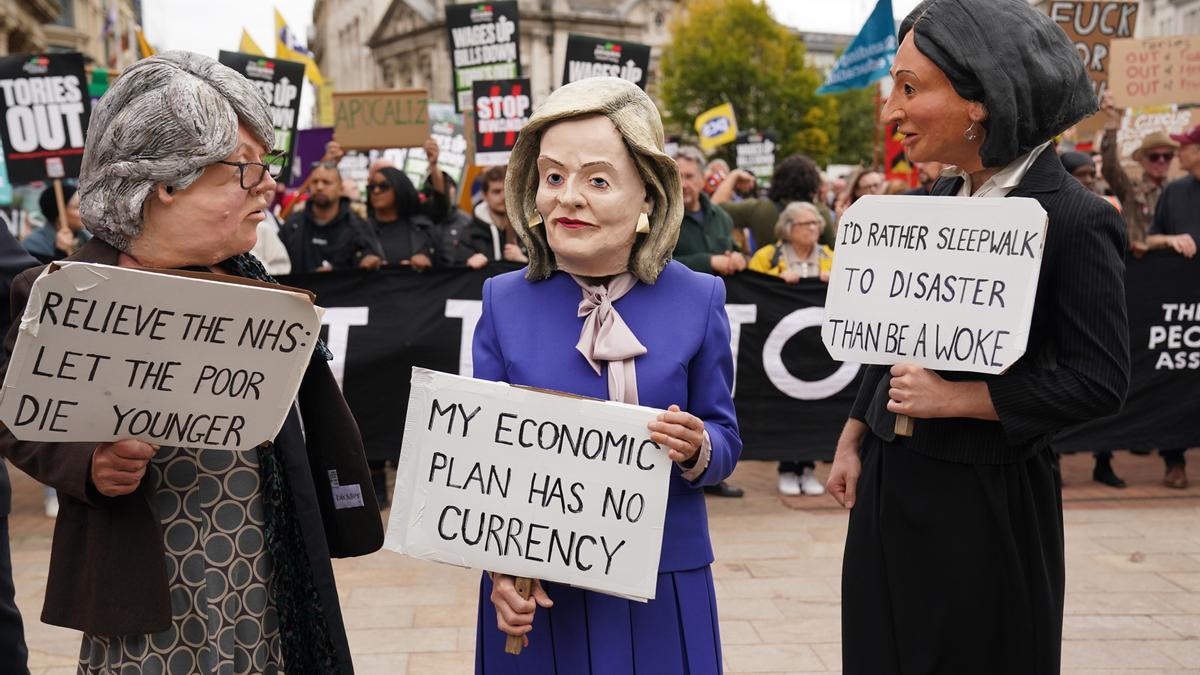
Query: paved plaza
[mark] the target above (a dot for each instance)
(1133, 583)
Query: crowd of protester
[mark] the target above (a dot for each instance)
(785, 228)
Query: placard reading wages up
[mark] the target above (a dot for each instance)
(531, 484)
(944, 282)
(107, 353)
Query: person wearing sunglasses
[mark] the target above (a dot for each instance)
(397, 215)
(1138, 197)
(144, 562)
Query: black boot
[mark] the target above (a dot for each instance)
(1103, 473)
(723, 489)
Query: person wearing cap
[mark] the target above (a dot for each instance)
(49, 242)
(1138, 197)
(954, 559)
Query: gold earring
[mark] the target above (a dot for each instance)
(534, 220)
(643, 224)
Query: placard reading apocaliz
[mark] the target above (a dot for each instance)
(947, 283)
(108, 353)
(531, 484)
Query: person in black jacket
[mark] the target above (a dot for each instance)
(459, 240)
(396, 214)
(13, 653)
(327, 235)
(954, 554)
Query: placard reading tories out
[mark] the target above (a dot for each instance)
(501, 110)
(947, 283)
(107, 353)
(280, 83)
(531, 484)
(485, 44)
(44, 110)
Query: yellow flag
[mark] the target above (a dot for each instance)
(716, 127)
(248, 45)
(289, 49)
(144, 48)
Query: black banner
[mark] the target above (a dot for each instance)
(485, 44)
(1162, 410)
(502, 108)
(792, 399)
(45, 108)
(589, 56)
(280, 83)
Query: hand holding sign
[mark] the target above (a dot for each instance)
(118, 468)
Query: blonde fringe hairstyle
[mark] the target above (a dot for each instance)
(637, 120)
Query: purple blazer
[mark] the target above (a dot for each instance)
(527, 336)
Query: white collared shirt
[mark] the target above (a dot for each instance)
(1005, 180)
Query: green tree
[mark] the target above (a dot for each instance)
(735, 51)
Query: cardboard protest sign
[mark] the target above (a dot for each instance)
(529, 483)
(1156, 71)
(485, 44)
(501, 110)
(1092, 25)
(947, 283)
(756, 153)
(589, 56)
(280, 83)
(448, 129)
(108, 353)
(45, 109)
(365, 120)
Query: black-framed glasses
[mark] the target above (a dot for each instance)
(1160, 156)
(251, 174)
(379, 187)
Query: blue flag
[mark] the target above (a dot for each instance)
(869, 57)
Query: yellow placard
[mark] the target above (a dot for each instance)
(716, 127)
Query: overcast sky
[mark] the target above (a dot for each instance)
(217, 24)
(214, 25)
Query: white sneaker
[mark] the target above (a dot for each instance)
(809, 484)
(789, 484)
(51, 506)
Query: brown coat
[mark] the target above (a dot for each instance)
(107, 572)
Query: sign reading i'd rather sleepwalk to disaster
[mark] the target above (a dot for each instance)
(280, 83)
(947, 283)
(45, 108)
(530, 483)
(501, 110)
(485, 44)
(597, 57)
(170, 358)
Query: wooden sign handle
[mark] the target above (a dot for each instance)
(524, 586)
(904, 425)
(62, 206)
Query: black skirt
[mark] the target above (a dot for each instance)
(953, 568)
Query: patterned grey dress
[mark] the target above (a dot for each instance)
(220, 574)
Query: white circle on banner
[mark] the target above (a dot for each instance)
(805, 390)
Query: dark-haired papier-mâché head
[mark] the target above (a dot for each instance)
(1014, 60)
(637, 121)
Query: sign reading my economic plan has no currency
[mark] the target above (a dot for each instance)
(947, 283)
(532, 484)
(108, 353)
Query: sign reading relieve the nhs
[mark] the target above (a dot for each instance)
(869, 57)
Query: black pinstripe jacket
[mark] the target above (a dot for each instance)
(1076, 363)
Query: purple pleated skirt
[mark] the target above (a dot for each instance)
(588, 633)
